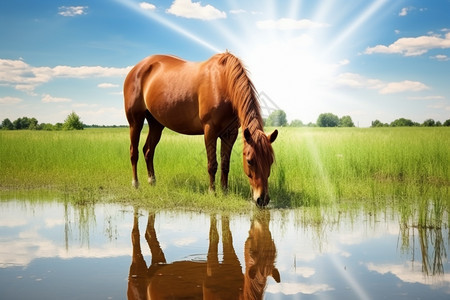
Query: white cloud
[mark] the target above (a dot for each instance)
(46, 98)
(101, 115)
(358, 81)
(147, 6)
(403, 86)
(427, 98)
(410, 272)
(23, 77)
(72, 11)
(237, 11)
(353, 80)
(10, 100)
(107, 85)
(305, 272)
(290, 288)
(440, 57)
(403, 12)
(194, 10)
(413, 46)
(289, 24)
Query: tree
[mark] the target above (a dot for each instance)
(296, 123)
(402, 122)
(328, 120)
(7, 124)
(378, 123)
(277, 119)
(73, 122)
(346, 121)
(429, 123)
(446, 123)
(22, 123)
(33, 124)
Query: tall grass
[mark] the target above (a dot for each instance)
(313, 166)
(367, 164)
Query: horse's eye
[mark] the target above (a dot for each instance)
(250, 162)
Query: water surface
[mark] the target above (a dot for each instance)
(55, 250)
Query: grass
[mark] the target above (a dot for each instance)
(314, 167)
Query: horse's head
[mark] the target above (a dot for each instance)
(260, 255)
(258, 158)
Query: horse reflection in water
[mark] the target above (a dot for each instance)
(212, 279)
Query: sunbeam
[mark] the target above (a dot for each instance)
(167, 23)
(323, 174)
(362, 18)
(352, 282)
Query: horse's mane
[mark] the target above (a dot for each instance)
(242, 92)
(244, 99)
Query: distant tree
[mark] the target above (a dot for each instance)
(328, 120)
(402, 122)
(73, 122)
(46, 126)
(446, 123)
(311, 124)
(378, 123)
(277, 119)
(346, 121)
(22, 123)
(296, 123)
(438, 124)
(429, 123)
(33, 124)
(7, 124)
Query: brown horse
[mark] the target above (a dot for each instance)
(210, 279)
(214, 98)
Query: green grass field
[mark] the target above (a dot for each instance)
(314, 166)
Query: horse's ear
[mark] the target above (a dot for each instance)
(276, 275)
(273, 136)
(247, 135)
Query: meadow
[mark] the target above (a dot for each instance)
(373, 167)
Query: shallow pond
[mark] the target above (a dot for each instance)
(54, 250)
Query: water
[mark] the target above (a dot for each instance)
(54, 250)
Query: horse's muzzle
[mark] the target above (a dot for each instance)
(263, 200)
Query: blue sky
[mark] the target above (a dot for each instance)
(371, 60)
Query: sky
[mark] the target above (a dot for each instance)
(371, 60)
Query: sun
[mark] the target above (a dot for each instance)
(292, 72)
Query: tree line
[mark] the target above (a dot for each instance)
(402, 122)
(72, 122)
(278, 119)
(275, 119)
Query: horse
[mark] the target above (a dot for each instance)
(211, 98)
(210, 279)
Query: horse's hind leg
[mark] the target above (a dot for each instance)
(153, 137)
(135, 132)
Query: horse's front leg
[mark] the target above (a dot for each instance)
(226, 147)
(210, 144)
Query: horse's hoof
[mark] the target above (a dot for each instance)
(152, 180)
(135, 183)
